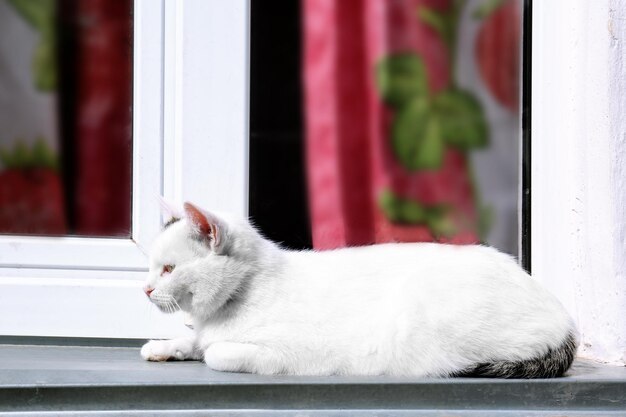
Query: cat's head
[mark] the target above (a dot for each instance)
(200, 261)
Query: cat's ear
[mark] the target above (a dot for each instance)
(169, 211)
(206, 224)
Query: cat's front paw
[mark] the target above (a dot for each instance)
(156, 351)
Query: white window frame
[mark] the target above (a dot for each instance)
(578, 158)
(190, 142)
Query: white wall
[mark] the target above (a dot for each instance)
(579, 166)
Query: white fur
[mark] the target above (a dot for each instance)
(417, 309)
(168, 209)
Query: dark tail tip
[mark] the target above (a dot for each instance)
(554, 363)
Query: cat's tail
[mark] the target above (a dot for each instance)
(554, 363)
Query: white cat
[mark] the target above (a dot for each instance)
(417, 309)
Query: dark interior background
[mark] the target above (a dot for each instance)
(278, 203)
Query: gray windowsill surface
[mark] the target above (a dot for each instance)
(115, 381)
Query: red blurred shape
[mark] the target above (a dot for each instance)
(31, 201)
(497, 53)
(348, 126)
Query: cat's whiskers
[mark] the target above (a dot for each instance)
(166, 303)
(173, 305)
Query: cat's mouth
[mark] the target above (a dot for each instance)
(165, 303)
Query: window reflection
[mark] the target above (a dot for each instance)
(65, 117)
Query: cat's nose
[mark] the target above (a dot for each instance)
(148, 291)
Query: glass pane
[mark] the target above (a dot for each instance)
(278, 203)
(65, 117)
(402, 121)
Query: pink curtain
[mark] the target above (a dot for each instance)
(388, 129)
(338, 137)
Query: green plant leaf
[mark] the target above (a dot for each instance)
(399, 210)
(22, 156)
(436, 20)
(40, 14)
(486, 217)
(407, 211)
(44, 64)
(5, 158)
(416, 136)
(430, 153)
(408, 131)
(412, 212)
(442, 23)
(486, 8)
(441, 226)
(389, 205)
(36, 12)
(401, 78)
(42, 155)
(462, 119)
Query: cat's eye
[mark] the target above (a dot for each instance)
(167, 269)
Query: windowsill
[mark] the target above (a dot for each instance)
(38, 378)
